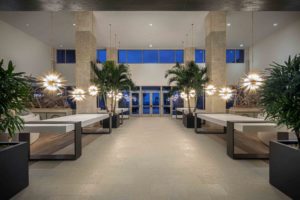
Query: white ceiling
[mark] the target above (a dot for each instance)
(133, 31)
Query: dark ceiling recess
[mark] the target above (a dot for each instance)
(150, 5)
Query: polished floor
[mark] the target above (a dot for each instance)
(151, 159)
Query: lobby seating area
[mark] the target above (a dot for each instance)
(151, 102)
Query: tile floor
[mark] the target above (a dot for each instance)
(151, 159)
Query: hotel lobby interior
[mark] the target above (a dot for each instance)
(150, 100)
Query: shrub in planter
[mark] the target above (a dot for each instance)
(15, 93)
(190, 80)
(280, 99)
(115, 119)
(189, 121)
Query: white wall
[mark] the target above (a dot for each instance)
(277, 47)
(68, 73)
(235, 71)
(27, 53)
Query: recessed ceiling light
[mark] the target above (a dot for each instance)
(61, 45)
(150, 24)
(74, 24)
(241, 45)
(275, 24)
(27, 25)
(228, 24)
(150, 45)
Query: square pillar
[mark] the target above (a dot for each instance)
(215, 46)
(85, 53)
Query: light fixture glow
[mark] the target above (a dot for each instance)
(241, 45)
(150, 24)
(52, 82)
(150, 45)
(225, 93)
(210, 90)
(74, 24)
(275, 24)
(115, 96)
(78, 94)
(192, 93)
(252, 82)
(228, 24)
(93, 90)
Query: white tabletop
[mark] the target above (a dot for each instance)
(85, 119)
(222, 119)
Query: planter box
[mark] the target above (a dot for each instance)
(188, 121)
(285, 168)
(115, 122)
(13, 169)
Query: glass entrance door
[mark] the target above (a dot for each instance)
(151, 103)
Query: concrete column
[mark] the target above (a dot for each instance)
(189, 54)
(215, 46)
(112, 54)
(85, 53)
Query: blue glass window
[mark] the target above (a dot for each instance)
(179, 56)
(200, 56)
(60, 56)
(230, 56)
(150, 56)
(166, 56)
(239, 55)
(101, 55)
(134, 56)
(70, 56)
(122, 54)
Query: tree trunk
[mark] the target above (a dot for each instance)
(189, 104)
(196, 98)
(297, 133)
(115, 105)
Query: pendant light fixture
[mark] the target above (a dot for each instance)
(210, 90)
(225, 93)
(52, 81)
(93, 90)
(78, 94)
(252, 81)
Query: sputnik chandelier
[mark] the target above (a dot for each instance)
(52, 82)
(225, 93)
(115, 96)
(93, 90)
(192, 94)
(252, 82)
(210, 90)
(78, 94)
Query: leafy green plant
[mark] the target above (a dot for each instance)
(112, 78)
(280, 94)
(14, 94)
(187, 78)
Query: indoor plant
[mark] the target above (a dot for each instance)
(15, 93)
(190, 80)
(111, 79)
(280, 99)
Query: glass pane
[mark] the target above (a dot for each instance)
(167, 110)
(70, 56)
(146, 110)
(122, 56)
(101, 55)
(155, 99)
(200, 56)
(179, 56)
(146, 99)
(177, 101)
(60, 56)
(239, 56)
(150, 56)
(135, 99)
(101, 102)
(230, 56)
(134, 56)
(135, 110)
(166, 99)
(200, 102)
(124, 102)
(167, 56)
(155, 110)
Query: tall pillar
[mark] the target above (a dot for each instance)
(112, 54)
(85, 53)
(189, 54)
(215, 46)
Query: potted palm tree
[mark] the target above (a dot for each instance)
(15, 93)
(190, 80)
(111, 79)
(280, 99)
